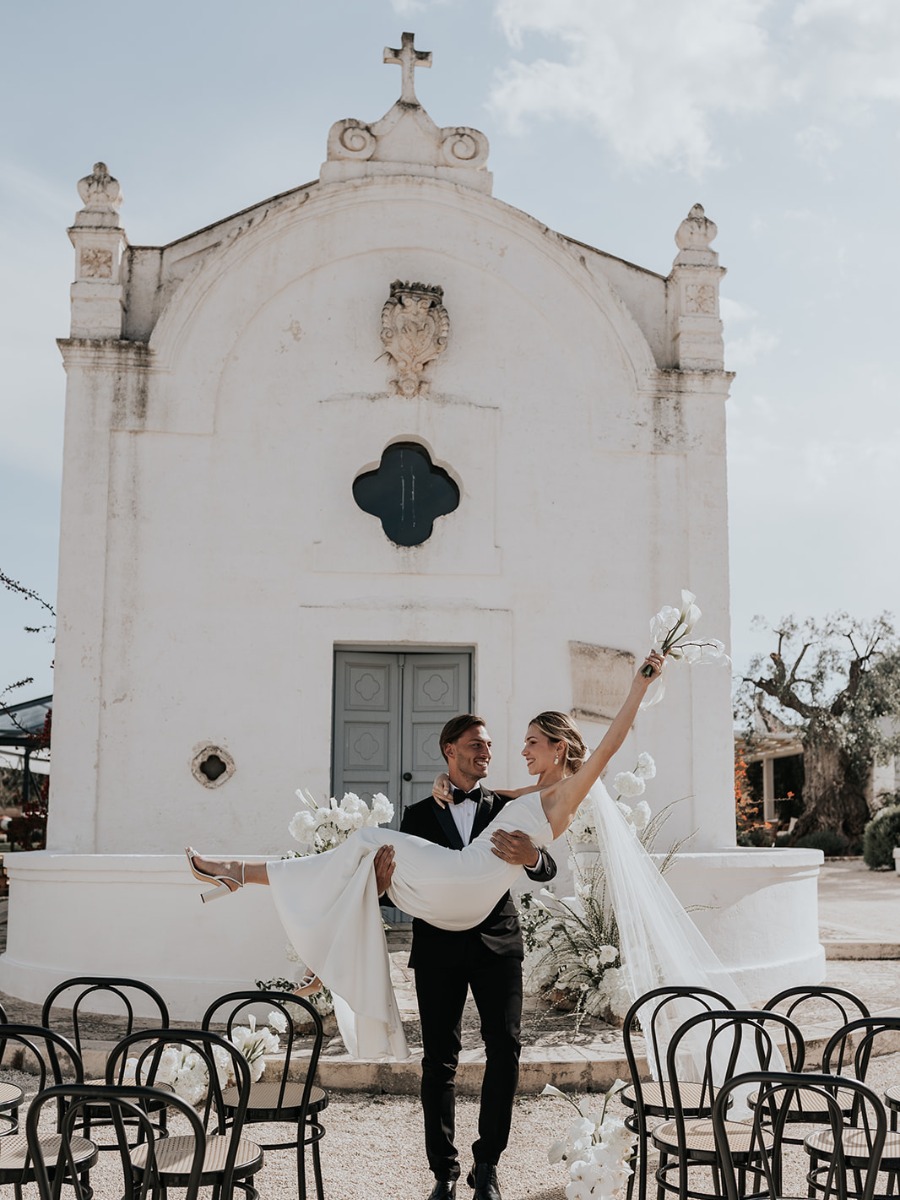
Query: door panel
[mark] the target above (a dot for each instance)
(389, 710)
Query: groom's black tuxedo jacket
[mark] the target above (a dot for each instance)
(499, 931)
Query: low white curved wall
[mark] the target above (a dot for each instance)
(141, 916)
(138, 916)
(758, 909)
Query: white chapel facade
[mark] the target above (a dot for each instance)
(369, 453)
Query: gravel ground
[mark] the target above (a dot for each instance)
(373, 1148)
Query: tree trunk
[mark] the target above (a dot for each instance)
(834, 795)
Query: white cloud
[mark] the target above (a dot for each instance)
(747, 350)
(409, 8)
(848, 50)
(648, 76)
(817, 146)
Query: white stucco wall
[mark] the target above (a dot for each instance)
(230, 556)
(212, 555)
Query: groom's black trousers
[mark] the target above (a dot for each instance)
(441, 988)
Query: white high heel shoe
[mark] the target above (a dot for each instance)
(224, 885)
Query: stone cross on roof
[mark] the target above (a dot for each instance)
(408, 58)
(406, 141)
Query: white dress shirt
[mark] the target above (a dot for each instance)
(464, 816)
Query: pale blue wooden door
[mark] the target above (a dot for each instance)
(389, 709)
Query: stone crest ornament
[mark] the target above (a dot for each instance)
(415, 328)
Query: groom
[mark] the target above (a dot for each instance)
(487, 959)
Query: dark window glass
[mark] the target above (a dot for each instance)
(407, 493)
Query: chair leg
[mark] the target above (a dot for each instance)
(317, 1172)
(301, 1164)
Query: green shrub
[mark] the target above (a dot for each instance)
(829, 841)
(880, 837)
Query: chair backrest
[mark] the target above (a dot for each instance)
(777, 1094)
(287, 1016)
(854, 1044)
(41, 1052)
(198, 1065)
(128, 1109)
(660, 1012)
(726, 1043)
(820, 1004)
(123, 1001)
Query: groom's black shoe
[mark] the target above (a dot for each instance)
(483, 1178)
(444, 1189)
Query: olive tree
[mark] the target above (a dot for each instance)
(836, 682)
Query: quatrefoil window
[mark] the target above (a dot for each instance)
(407, 493)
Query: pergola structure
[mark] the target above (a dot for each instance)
(765, 748)
(25, 743)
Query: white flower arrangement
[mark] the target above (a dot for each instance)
(626, 784)
(319, 827)
(597, 1149)
(671, 634)
(185, 1070)
(572, 946)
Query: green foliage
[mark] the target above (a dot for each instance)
(880, 837)
(829, 841)
(832, 682)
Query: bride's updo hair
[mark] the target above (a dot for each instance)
(559, 727)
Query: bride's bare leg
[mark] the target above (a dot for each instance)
(234, 868)
(561, 800)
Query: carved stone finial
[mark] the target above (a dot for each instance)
(415, 328)
(408, 58)
(694, 295)
(696, 231)
(99, 191)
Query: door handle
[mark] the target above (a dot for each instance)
(407, 776)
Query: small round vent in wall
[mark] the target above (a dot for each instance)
(212, 765)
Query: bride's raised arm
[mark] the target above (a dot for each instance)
(561, 799)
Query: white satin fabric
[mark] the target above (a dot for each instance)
(329, 907)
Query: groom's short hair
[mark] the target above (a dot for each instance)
(456, 727)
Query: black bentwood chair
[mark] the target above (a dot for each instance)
(11, 1096)
(724, 1044)
(851, 1167)
(53, 1060)
(203, 1065)
(287, 1091)
(57, 1162)
(650, 1101)
(851, 1049)
(125, 1003)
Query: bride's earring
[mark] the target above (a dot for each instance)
(556, 761)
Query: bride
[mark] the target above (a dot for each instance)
(328, 903)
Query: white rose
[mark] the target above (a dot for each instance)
(641, 814)
(628, 784)
(646, 767)
(278, 1020)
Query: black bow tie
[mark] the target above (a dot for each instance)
(459, 795)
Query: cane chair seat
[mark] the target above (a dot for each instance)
(855, 1144)
(699, 1139)
(892, 1095)
(809, 1105)
(14, 1151)
(174, 1156)
(658, 1097)
(272, 1101)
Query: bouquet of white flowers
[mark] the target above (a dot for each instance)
(319, 827)
(597, 1149)
(572, 946)
(185, 1070)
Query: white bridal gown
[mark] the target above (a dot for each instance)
(329, 907)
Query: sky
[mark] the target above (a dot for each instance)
(608, 120)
